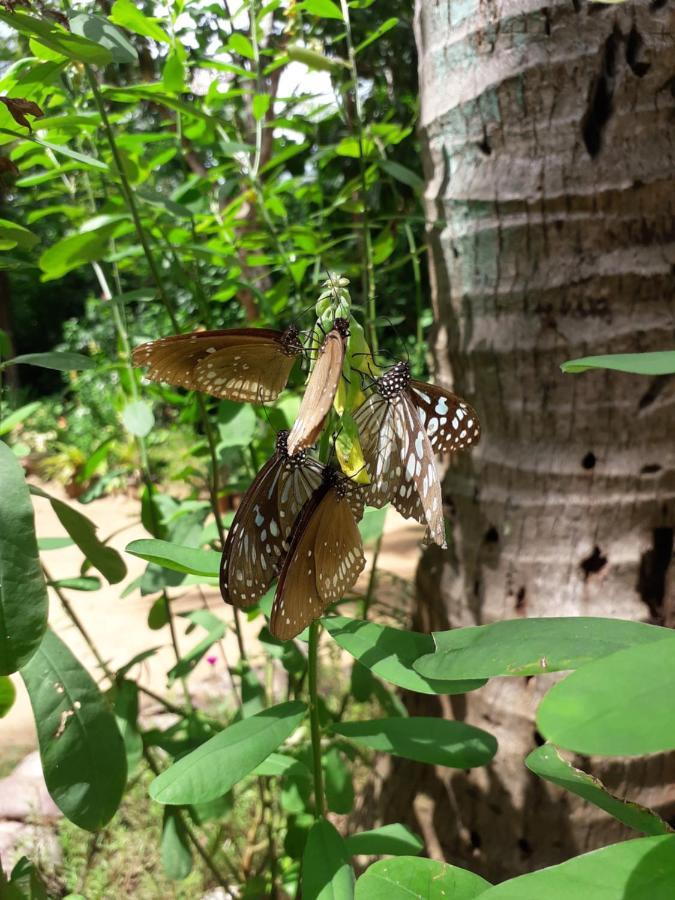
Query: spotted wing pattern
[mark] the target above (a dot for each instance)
(256, 541)
(321, 389)
(324, 559)
(450, 422)
(242, 364)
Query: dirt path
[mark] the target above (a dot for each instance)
(118, 627)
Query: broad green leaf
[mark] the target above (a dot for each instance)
(313, 59)
(546, 762)
(7, 695)
(350, 146)
(180, 559)
(390, 654)
(531, 646)
(402, 174)
(261, 103)
(240, 44)
(82, 530)
(215, 629)
(99, 30)
(408, 877)
(371, 525)
(237, 430)
(129, 16)
(23, 593)
(13, 235)
(81, 749)
(138, 418)
(175, 851)
(18, 416)
(57, 38)
(126, 716)
(58, 543)
(72, 252)
(60, 150)
(389, 840)
(375, 35)
(83, 583)
(277, 764)
(324, 8)
(326, 870)
(617, 706)
(642, 869)
(61, 360)
(212, 769)
(338, 782)
(26, 881)
(173, 73)
(439, 742)
(661, 362)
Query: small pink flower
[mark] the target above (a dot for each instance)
(212, 660)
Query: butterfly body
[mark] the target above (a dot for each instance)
(321, 388)
(325, 555)
(248, 365)
(256, 542)
(402, 424)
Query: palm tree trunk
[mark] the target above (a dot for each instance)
(549, 150)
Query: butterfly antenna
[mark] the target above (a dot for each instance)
(398, 338)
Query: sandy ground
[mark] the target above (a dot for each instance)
(118, 627)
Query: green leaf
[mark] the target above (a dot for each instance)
(642, 869)
(19, 415)
(81, 749)
(99, 30)
(390, 654)
(240, 44)
(408, 877)
(617, 706)
(13, 235)
(177, 558)
(61, 360)
(658, 363)
(389, 840)
(531, 646)
(324, 8)
(375, 35)
(175, 851)
(7, 695)
(237, 430)
(129, 16)
(546, 762)
(261, 103)
(23, 594)
(215, 629)
(72, 252)
(60, 150)
(439, 742)
(57, 38)
(83, 531)
(338, 782)
(126, 716)
(349, 146)
(138, 418)
(26, 881)
(83, 583)
(214, 767)
(326, 871)
(45, 544)
(313, 59)
(173, 74)
(371, 525)
(277, 765)
(402, 174)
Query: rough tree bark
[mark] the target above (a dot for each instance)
(549, 149)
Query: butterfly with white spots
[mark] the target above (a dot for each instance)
(401, 425)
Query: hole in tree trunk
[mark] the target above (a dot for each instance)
(654, 564)
(593, 563)
(599, 108)
(588, 462)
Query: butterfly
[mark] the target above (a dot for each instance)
(324, 558)
(256, 541)
(321, 388)
(249, 365)
(401, 425)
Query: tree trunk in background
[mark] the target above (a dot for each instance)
(549, 146)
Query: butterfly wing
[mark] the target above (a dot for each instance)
(375, 423)
(183, 360)
(319, 394)
(323, 561)
(449, 421)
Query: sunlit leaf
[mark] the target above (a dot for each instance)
(57, 38)
(131, 17)
(173, 556)
(138, 418)
(61, 360)
(326, 870)
(658, 363)
(175, 851)
(388, 840)
(408, 877)
(99, 30)
(7, 695)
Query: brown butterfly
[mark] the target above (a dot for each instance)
(324, 558)
(256, 540)
(321, 389)
(402, 424)
(249, 365)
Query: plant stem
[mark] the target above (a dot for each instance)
(368, 274)
(315, 727)
(372, 579)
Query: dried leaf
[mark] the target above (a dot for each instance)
(19, 108)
